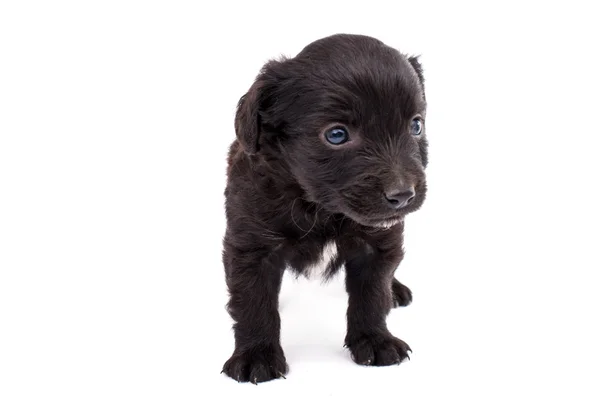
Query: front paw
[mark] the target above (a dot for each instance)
(377, 349)
(401, 294)
(256, 365)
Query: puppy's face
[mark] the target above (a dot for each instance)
(347, 116)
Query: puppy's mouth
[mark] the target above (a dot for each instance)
(365, 209)
(388, 223)
(382, 222)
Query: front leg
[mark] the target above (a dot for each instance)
(254, 281)
(369, 275)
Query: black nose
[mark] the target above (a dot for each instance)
(397, 198)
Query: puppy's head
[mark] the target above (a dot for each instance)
(347, 117)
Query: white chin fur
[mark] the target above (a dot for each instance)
(387, 224)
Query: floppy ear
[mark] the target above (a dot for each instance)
(414, 62)
(247, 118)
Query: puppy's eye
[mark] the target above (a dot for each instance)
(416, 126)
(336, 135)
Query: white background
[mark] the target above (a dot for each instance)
(115, 118)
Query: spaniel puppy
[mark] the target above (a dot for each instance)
(329, 158)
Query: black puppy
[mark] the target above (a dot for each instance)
(330, 155)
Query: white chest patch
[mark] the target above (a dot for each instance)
(318, 270)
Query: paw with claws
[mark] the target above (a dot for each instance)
(256, 365)
(379, 350)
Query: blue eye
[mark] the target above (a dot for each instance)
(336, 135)
(416, 126)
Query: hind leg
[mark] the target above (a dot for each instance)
(401, 294)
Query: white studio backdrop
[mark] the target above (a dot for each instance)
(115, 118)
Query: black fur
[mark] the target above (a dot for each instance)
(289, 192)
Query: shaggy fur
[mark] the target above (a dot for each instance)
(290, 193)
